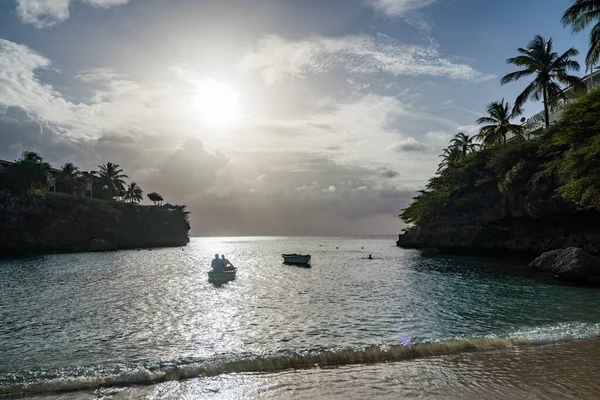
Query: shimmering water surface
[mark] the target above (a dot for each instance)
(98, 321)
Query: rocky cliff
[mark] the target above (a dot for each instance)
(523, 197)
(62, 223)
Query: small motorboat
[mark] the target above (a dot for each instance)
(296, 259)
(221, 277)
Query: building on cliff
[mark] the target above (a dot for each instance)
(89, 179)
(535, 123)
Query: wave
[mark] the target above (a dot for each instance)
(269, 363)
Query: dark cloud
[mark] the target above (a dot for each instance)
(389, 173)
(407, 145)
(20, 131)
(243, 193)
(116, 139)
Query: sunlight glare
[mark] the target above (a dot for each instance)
(216, 104)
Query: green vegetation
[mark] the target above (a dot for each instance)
(47, 210)
(155, 198)
(559, 167)
(580, 15)
(111, 179)
(499, 127)
(31, 174)
(134, 194)
(516, 190)
(70, 179)
(28, 174)
(549, 69)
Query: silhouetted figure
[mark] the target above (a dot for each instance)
(217, 264)
(336, 247)
(370, 257)
(362, 248)
(227, 266)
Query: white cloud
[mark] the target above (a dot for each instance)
(278, 59)
(318, 162)
(468, 129)
(439, 135)
(396, 8)
(46, 13)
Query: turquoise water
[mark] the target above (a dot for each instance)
(81, 321)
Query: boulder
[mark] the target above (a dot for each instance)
(102, 245)
(570, 263)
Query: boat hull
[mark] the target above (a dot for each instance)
(221, 276)
(296, 259)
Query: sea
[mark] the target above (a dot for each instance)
(147, 324)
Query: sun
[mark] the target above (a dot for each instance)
(216, 104)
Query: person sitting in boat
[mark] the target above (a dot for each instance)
(217, 264)
(227, 266)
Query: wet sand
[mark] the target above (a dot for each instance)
(560, 371)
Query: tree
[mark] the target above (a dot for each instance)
(580, 15)
(111, 178)
(134, 193)
(155, 197)
(29, 173)
(499, 125)
(70, 179)
(549, 69)
(464, 143)
(450, 156)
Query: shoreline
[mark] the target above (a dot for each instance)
(144, 380)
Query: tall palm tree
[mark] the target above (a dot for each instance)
(498, 124)
(70, 179)
(464, 143)
(111, 177)
(549, 69)
(580, 15)
(134, 193)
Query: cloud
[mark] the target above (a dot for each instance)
(389, 173)
(278, 59)
(469, 129)
(439, 135)
(396, 8)
(330, 174)
(407, 145)
(47, 13)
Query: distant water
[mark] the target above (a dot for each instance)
(95, 322)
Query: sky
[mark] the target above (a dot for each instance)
(264, 117)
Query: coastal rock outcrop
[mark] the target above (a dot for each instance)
(571, 263)
(62, 223)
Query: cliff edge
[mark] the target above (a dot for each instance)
(41, 223)
(521, 197)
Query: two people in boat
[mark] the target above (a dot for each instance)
(221, 264)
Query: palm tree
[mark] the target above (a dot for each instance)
(499, 125)
(464, 144)
(155, 197)
(134, 193)
(111, 178)
(581, 14)
(70, 178)
(450, 155)
(549, 69)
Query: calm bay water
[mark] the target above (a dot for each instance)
(104, 320)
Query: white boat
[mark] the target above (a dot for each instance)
(298, 259)
(221, 277)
